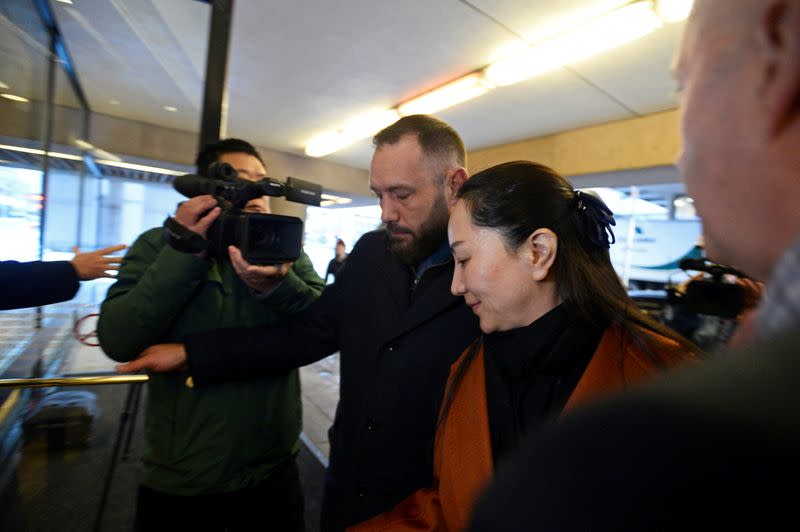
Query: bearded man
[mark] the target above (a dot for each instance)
(391, 316)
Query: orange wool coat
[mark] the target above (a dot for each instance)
(463, 455)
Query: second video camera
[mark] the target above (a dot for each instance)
(262, 238)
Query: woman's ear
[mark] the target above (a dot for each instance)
(542, 248)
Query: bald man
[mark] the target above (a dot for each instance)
(717, 447)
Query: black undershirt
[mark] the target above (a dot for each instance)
(531, 372)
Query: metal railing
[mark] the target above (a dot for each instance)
(124, 436)
(73, 380)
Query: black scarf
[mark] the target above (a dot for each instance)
(531, 372)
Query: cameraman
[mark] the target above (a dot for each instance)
(222, 458)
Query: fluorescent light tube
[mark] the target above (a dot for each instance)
(603, 33)
(455, 92)
(358, 128)
(14, 97)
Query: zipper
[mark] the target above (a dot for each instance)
(414, 284)
(416, 281)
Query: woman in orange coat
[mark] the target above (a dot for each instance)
(532, 261)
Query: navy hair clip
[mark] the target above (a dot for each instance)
(597, 219)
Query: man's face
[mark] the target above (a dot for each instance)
(250, 168)
(720, 161)
(412, 199)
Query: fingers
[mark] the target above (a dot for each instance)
(271, 272)
(108, 251)
(160, 358)
(196, 206)
(190, 213)
(268, 271)
(240, 265)
(276, 269)
(131, 367)
(199, 204)
(205, 222)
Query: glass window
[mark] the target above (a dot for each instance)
(20, 208)
(324, 226)
(656, 228)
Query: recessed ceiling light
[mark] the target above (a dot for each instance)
(66, 2)
(113, 101)
(14, 97)
(170, 109)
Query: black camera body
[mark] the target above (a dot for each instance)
(711, 296)
(262, 238)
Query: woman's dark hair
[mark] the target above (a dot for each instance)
(519, 197)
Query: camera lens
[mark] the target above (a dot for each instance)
(265, 241)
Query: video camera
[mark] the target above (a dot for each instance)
(262, 238)
(711, 296)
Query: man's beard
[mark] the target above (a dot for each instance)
(431, 235)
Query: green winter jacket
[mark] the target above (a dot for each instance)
(223, 438)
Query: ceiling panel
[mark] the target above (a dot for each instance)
(547, 104)
(24, 55)
(299, 68)
(537, 20)
(638, 74)
(554, 102)
(133, 57)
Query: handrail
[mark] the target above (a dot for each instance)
(86, 380)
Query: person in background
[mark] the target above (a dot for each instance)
(337, 261)
(223, 458)
(391, 316)
(716, 447)
(558, 331)
(36, 283)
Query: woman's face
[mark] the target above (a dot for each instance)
(498, 285)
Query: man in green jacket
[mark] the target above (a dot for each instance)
(222, 458)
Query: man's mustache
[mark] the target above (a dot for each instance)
(395, 229)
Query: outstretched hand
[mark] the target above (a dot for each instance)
(160, 358)
(95, 264)
(259, 278)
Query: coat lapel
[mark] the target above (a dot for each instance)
(433, 297)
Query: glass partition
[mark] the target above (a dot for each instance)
(652, 234)
(325, 225)
(56, 192)
(24, 62)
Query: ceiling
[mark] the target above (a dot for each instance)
(301, 67)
